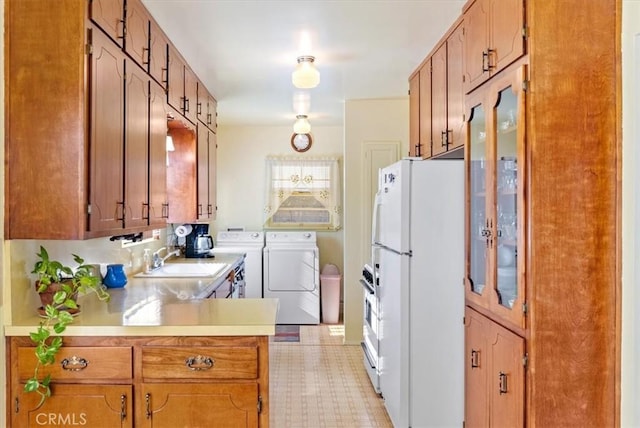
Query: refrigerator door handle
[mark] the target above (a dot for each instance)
(400, 253)
(377, 202)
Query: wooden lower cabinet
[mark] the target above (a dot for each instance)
(170, 405)
(154, 381)
(75, 405)
(494, 374)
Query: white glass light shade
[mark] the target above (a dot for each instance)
(302, 125)
(305, 76)
(170, 146)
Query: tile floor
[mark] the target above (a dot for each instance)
(319, 382)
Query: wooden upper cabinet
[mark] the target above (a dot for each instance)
(109, 16)
(158, 45)
(190, 103)
(207, 146)
(213, 159)
(439, 129)
(425, 111)
(455, 90)
(106, 212)
(43, 161)
(420, 111)
(137, 38)
(207, 107)
(203, 172)
(494, 38)
(175, 92)
(447, 96)
(476, 43)
(158, 202)
(136, 145)
(183, 86)
(212, 114)
(414, 114)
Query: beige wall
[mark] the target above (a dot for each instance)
(241, 157)
(630, 385)
(366, 121)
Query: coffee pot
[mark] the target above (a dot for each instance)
(203, 243)
(198, 243)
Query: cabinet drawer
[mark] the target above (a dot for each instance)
(200, 362)
(80, 363)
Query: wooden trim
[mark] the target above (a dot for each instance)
(573, 130)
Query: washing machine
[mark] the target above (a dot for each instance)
(250, 243)
(291, 274)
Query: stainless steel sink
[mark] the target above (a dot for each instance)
(185, 270)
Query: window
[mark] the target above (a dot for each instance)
(302, 193)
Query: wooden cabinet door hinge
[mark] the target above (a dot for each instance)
(525, 85)
(259, 404)
(89, 209)
(88, 48)
(524, 308)
(525, 33)
(525, 360)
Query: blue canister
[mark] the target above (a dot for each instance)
(115, 276)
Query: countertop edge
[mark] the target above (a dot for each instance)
(245, 330)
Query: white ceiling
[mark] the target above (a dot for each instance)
(245, 50)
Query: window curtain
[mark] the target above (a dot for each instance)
(302, 192)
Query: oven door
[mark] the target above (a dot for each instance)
(370, 334)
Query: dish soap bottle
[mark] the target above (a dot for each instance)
(146, 260)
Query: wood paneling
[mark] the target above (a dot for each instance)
(574, 139)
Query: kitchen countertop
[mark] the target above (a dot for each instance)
(167, 307)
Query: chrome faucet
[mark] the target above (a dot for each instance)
(158, 261)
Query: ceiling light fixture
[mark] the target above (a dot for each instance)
(302, 125)
(305, 76)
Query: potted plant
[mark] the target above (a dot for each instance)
(58, 286)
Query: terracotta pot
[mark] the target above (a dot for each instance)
(46, 297)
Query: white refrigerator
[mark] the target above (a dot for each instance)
(418, 251)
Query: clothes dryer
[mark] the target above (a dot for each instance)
(292, 275)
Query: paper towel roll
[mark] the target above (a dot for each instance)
(183, 230)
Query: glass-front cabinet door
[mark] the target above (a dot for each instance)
(479, 233)
(495, 194)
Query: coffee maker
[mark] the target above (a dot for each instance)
(198, 242)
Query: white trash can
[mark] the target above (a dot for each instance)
(330, 292)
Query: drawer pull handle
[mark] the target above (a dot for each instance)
(199, 363)
(74, 364)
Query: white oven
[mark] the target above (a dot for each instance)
(370, 340)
